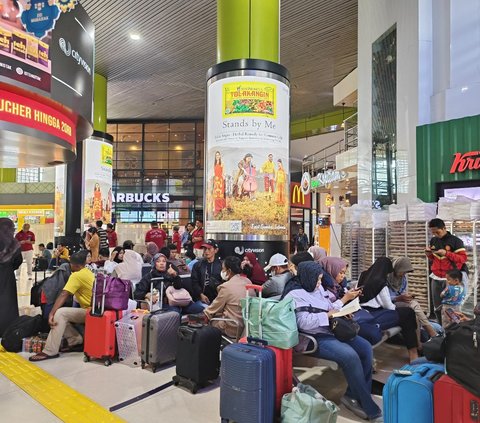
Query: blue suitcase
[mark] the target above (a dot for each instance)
(408, 394)
(247, 388)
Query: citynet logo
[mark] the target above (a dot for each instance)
(241, 250)
(66, 47)
(465, 161)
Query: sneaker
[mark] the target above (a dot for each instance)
(353, 406)
(378, 419)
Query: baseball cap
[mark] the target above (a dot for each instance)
(210, 243)
(276, 260)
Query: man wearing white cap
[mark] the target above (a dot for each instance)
(278, 266)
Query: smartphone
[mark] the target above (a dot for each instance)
(452, 315)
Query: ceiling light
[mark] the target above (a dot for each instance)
(178, 147)
(135, 36)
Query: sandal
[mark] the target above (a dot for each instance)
(42, 356)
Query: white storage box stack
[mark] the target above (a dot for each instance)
(397, 213)
(421, 212)
(373, 219)
(475, 210)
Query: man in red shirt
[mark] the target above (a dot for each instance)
(111, 236)
(156, 235)
(26, 238)
(176, 239)
(197, 238)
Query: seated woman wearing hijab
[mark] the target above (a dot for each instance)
(397, 283)
(169, 275)
(253, 270)
(355, 356)
(376, 300)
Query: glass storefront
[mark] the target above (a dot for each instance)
(384, 118)
(155, 159)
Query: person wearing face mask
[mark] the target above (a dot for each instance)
(354, 357)
(280, 274)
(227, 302)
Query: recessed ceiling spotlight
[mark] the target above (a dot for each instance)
(135, 36)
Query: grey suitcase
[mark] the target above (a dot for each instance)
(159, 336)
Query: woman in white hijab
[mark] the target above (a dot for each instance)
(131, 267)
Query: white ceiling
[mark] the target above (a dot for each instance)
(162, 76)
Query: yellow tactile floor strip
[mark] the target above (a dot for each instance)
(57, 397)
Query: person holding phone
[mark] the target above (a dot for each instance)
(355, 356)
(444, 252)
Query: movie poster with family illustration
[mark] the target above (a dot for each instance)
(97, 198)
(247, 168)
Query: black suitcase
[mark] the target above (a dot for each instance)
(198, 356)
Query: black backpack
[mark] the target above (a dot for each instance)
(22, 327)
(462, 354)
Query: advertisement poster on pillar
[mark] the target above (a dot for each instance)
(247, 156)
(48, 47)
(60, 201)
(97, 196)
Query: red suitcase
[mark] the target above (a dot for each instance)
(452, 403)
(283, 363)
(99, 340)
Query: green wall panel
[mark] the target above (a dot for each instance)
(437, 144)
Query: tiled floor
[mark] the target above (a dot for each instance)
(112, 385)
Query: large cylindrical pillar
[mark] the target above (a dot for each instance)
(100, 103)
(77, 197)
(248, 29)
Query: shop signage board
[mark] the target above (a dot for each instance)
(466, 161)
(97, 171)
(140, 197)
(329, 176)
(297, 198)
(26, 112)
(247, 156)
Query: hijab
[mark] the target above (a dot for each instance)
(374, 279)
(333, 266)
(130, 268)
(258, 274)
(8, 244)
(400, 265)
(308, 273)
(317, 253)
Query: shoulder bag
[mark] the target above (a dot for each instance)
(343, 328)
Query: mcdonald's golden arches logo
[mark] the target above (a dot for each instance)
(297, 195)
(297, 198)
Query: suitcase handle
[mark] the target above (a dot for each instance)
(258, 288)
(257, 341)
(186, 334)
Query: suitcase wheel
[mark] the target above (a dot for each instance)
(175, 381)
(143, 364)
(154, 368)
(107, 362)
(86, 358)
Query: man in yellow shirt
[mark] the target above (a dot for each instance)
(60, 319)
(268, 170)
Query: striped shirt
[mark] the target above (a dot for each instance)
(102, 234)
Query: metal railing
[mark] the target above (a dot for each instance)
(324, 159)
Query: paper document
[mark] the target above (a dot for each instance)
(350, 308)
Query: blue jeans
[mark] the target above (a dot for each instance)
(193, 308)
(355, 358)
